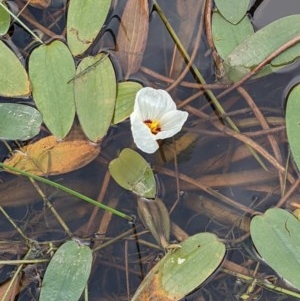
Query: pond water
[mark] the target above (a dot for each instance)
(213, 184)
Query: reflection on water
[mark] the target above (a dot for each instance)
(271, 10)
(220, 183)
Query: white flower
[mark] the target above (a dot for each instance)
(154, 117)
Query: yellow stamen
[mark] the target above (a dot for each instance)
(153, 125)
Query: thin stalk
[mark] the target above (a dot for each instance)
(6, 145)
(18, 271)
(262, 283)
(201, 79)
(12, 282)
(23, 261)
(21, 23)
(196, 71)
(67, 190)
(113, 240)
(86, 293)
(52, 209)
(89, 68)
(14, 224)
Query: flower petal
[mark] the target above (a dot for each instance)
(142, 135)
(152, 104)
(171, 123)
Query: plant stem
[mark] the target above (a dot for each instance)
(67, 190)
(201, 79)
(262, 283)
(23, 261)
(14, 224)
(51, 208)
(21, 23)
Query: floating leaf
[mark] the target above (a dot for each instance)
(95, 95)
(40, 3)
(132, 35)
(276, 236)
(126, 92)
(227, 36)
(67, 273)
(155, 216)
(51, 67)
(84, 21)
(292, 120)
(19, 122)
(4, 21)
(183, 269)
(50, 157)
(255, 49)
(132, 172)
(13, 77)
(233, 10)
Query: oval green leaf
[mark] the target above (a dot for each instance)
(67, 273)
(183, 269)
(51, 70)
(19, 122)
(13, 77)
(95, 95)
(260, 45)
(292, 119)
(132, 172)
(233, 10)
(227, 36)
(126, 92)
(276, 236)
(84, 21)
(4, 21)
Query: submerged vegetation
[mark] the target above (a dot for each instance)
(113, 105)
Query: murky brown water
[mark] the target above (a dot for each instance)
(220, 183)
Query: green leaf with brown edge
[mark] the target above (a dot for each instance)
(126, 92)
(276, 236)
(14, 81)
(67, 273)
(18, 121)
(132, 35)
(292, 119)
(84, 21)
(95, 95)
(132, 172)
(233, 10)
(51, 69)
(182, 270)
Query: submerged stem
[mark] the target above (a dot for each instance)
(67, 190)
(14, 224)
(21, 23)
(201, 79)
